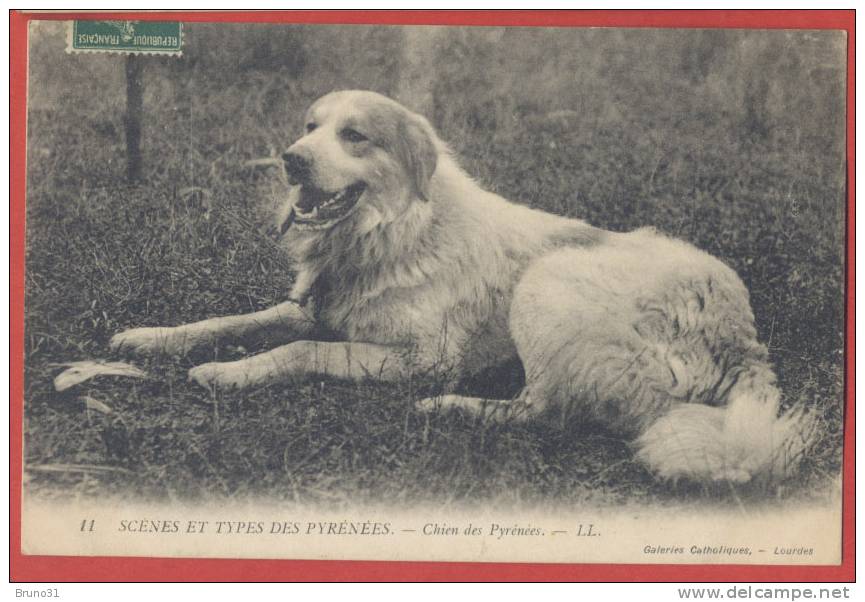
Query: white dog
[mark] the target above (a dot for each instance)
(404, 264)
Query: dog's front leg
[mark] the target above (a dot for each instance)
(281, 323)
(338, 359)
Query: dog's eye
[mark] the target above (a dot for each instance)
(352, 135)
(310, 127)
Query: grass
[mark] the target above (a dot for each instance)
(635, 133)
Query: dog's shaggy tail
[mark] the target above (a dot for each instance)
(745, 440)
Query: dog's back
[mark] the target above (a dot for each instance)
(649, 335)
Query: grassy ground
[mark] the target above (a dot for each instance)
(623, 130)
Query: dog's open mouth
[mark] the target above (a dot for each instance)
(318, 209)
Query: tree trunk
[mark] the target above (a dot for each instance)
(134, 110)
(417, 69)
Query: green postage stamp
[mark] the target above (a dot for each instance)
(126, 37)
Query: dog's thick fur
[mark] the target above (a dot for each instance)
(405, 264)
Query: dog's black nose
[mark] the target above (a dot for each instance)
(296, 166)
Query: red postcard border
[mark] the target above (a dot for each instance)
(24, 568)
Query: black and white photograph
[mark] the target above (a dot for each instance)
(435, 292)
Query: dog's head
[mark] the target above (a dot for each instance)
(362, 156)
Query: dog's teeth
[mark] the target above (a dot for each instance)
(339, 196)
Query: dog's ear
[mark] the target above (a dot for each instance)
(418, 153)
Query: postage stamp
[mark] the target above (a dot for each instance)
(126, 37)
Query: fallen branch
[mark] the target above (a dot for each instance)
(78, 372)
(263, 163)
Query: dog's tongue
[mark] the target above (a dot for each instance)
(310, 198)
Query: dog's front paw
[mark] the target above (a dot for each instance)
(224, 376)
(149, 341)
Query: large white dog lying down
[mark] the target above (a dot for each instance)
(405, 264)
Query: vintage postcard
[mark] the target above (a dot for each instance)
(435, 292)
